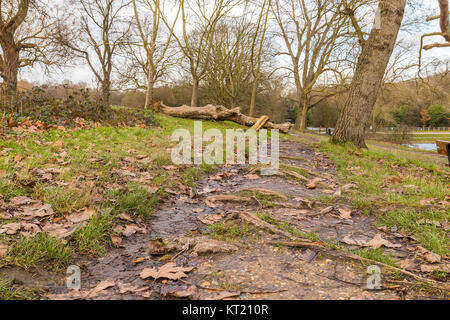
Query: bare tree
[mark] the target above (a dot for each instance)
(310, 31)
(96, 38)
(154, 62)
(197, 35)
(257, 50)
(369, 74)
(25, 39)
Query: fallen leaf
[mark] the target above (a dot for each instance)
(126, 217)
(127, 288)
(188, 292)
(429, 256)
(132, 229)
(59, 231)
(102, 286)
(345, 213)
(211, 218)
(436, 268)
(58, 144)
(10, 228)
(168, 271)
(378, 242)
(81, 216)
(394, 180)
(252, 177)
(313, 183)
(430, 222)
(18, 158)
(116, 241)
(157, 247)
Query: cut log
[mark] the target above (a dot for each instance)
(219, 113)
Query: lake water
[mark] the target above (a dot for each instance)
(422, 146)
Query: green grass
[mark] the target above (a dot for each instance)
(136, 201)
(94, 238)
(40, 249)
(230, 231)
(9, 292)
(377, 255)
(371, 170)
(64, 200)
(430, 236)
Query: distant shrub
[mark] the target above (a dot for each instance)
(81, 103)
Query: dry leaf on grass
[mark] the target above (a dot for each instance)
(168, 271)
(59, 231)
(378, 242)
(125, 217)
(81, 216)
(429, 256)
(10, 228)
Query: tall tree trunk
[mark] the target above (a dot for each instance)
(368, 78)
(253, 99)
(106, 93)
(11, 68)
(194, 100)
(302, 115)
(150, 87)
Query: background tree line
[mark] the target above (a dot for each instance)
(290, 59)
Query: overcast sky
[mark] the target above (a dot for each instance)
(80, 73)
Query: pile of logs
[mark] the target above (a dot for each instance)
(220, 113)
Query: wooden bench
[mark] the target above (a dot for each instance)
(444, 148)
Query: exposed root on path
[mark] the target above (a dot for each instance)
(267, 192)
(351, 256)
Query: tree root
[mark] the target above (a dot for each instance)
(351, 256)
(228, 198)
(252, 219)
(267, 192)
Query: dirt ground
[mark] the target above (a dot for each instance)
(252, 265)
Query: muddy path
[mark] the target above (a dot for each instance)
(250, 264)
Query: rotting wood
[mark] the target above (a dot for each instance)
(261, 123)
(220, 113)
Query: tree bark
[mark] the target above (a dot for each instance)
(218, 113)
(194, 99)
(253, 99)
(300, 123)
(367, 81)
(106, 93)
(150, 87)
(11, 66)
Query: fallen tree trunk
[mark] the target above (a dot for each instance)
(218, 113)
